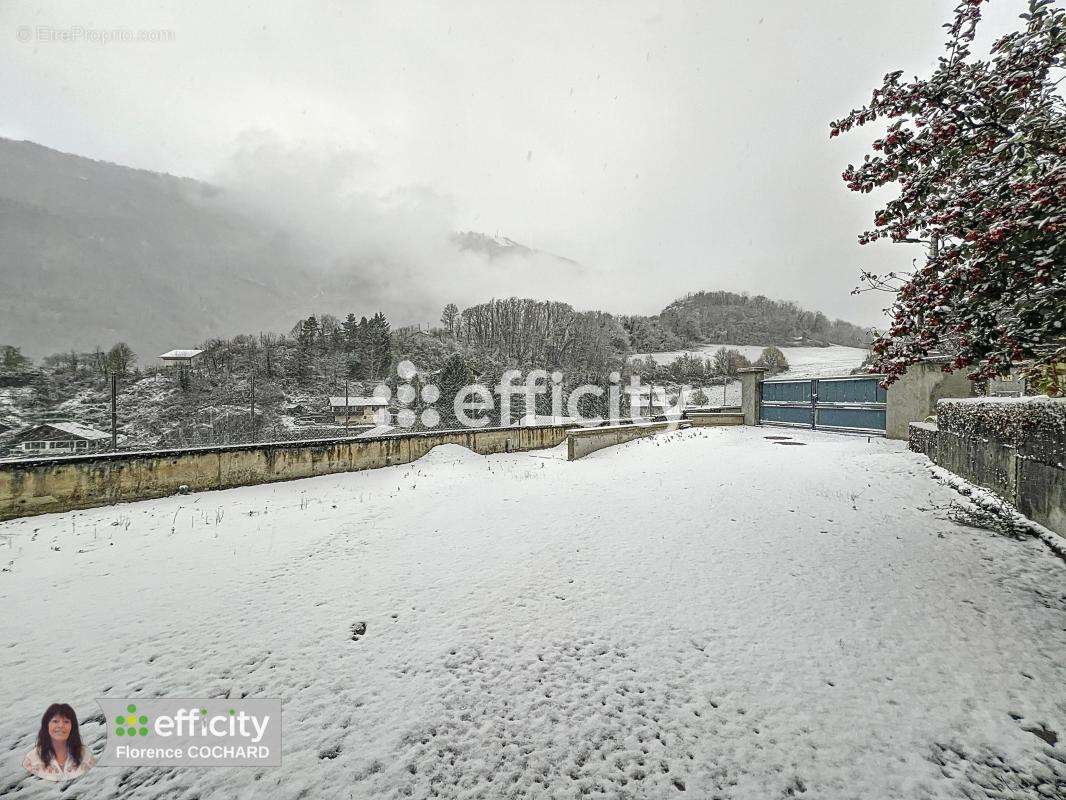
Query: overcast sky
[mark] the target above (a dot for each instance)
(671, 147)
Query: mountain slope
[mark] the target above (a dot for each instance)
(95, 252)
(501, 246)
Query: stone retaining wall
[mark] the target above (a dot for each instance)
(582, 441)
(49, 485)
(702, 419)
(1015, 447)
(43, 486)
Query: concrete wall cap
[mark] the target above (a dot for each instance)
(593, 430)
(925, 426)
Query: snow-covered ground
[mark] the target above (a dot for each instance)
(707, 612)
(12, 399)
(718, 395)
(803, 361)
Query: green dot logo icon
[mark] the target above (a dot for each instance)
(131, 723)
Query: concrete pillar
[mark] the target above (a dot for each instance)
(913, 397)
(749, 393)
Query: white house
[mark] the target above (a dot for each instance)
(59, 439)
(181, 358)
(359, 410)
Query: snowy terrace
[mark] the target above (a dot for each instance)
(706, 614)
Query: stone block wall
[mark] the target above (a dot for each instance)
(44, 486)
(1015, 447)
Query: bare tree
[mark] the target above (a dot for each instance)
(120, 358)
(450, 319)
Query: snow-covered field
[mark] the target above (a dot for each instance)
(705, 614)
(718, 395)
(803, 361)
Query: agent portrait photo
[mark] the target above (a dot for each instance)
(59, 754)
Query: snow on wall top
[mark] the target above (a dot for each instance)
(1040, 398)
(1036, 426)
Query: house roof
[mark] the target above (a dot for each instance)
(359, 402)
(176, 354)
(73, 428)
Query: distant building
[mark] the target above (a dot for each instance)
(1012, 384)
(359, 410)
(181, 358)
(59, 439)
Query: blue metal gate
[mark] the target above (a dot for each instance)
(851, 403)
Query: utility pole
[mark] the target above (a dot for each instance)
(253, 406)
(346, 413)
(114, 411)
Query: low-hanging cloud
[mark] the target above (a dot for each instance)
(668, 148)
(382, 245)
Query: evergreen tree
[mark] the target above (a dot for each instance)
(377, 346)
(310, 333)
(350, 330)
(12, 358)
(454, 375)
(353, 366)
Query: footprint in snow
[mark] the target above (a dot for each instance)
(1043, 732)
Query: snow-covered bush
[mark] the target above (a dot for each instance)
(1036, 426)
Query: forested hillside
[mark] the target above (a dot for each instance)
(124, 264)
(288, 377)
(729, 318)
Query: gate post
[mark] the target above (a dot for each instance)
(750, 378)
(913, 397)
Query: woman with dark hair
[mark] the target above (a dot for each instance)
(59, 754)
